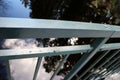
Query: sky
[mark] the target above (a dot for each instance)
(13, 8)
(22, 68)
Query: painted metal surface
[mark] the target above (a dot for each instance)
(40, 52)
(107, 60)
(59, 67)
(8, 70)
(86, 57)
(92, 65)
(37, 68)
(39, 28)
(51, 51)
(35, 28)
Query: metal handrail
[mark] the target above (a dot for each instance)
(35, 28)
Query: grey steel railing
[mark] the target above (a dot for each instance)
(40, 28)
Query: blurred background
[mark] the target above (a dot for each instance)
(90, 11)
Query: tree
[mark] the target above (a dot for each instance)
(96, 11)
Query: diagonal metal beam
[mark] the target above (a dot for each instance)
(116, 70)
(112, 70)
(37, 68)
(114, 65)
(8, 70)
(93, 64)
(108, 59)
(109, 64)
(58, 68)
(86, 57)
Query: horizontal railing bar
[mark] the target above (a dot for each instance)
(35, 28)
(41, 28)
(40, 52)
(86, 57)
(117, 32)
(110, 46)
(51, 51)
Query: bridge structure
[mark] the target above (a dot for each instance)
(109, 58)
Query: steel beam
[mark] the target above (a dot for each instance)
(113, 70)
(109, 64)
(35, 28)
(93, 64)
(40, 52)
(86, 57)
(8, 70)
(116, 33)
(108, 59)
(106, 66)
(110, 46)
(59, 67)
(114, 65)
(51, 51)
(116, 71)
(37, 68)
